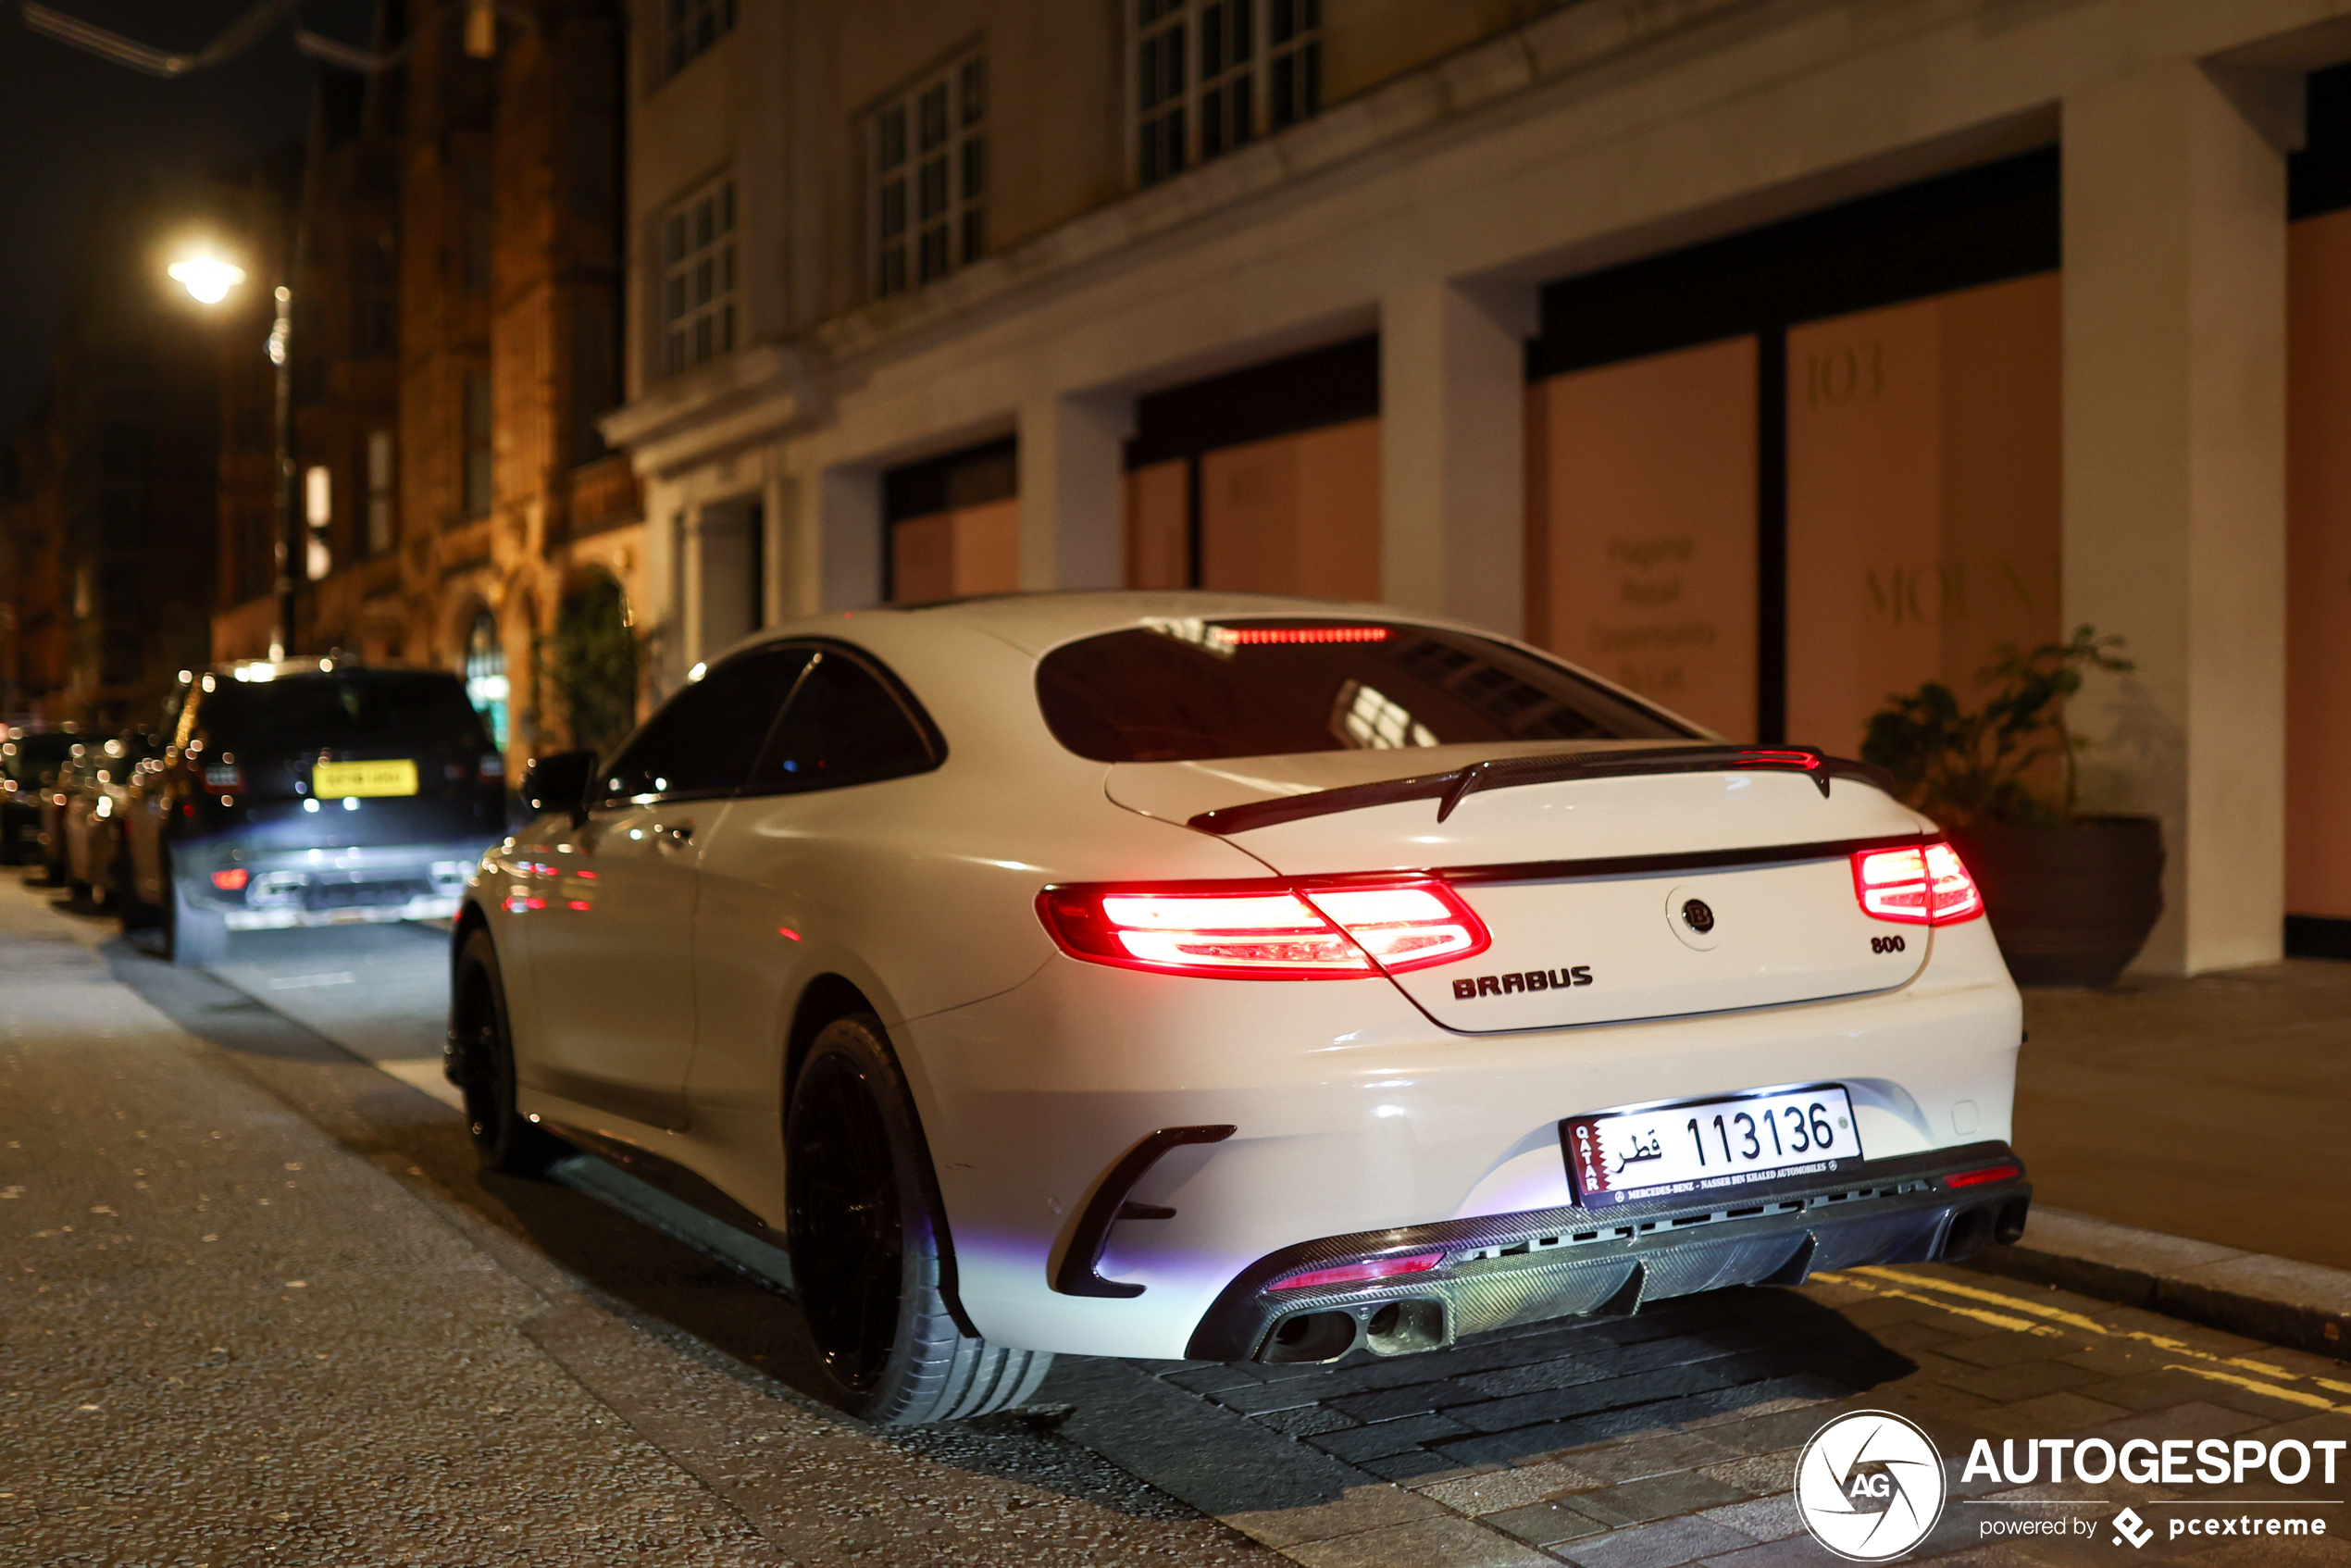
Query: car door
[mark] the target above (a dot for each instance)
(784, 863)
(611, 929)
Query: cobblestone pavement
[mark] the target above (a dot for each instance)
(479, 1370)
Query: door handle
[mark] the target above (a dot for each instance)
(675, 835)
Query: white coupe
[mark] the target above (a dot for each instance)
(1232, 977)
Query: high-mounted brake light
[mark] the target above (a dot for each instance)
(1243, 636)
(1270, 930)
(1359, 1273)
(1924, 886)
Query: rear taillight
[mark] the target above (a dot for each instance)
(1924, 886)
(231, 880)
(1359, 1272)
(224, 777)
(1988, 1174)
(1265, 930)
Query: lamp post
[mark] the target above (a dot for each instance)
(209, 279)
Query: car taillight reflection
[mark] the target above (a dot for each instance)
(1272, 930)
(1359, 1273)
(1919, 886)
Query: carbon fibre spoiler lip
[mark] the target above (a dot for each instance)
(1450, 788)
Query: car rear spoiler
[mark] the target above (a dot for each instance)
(1448, 790)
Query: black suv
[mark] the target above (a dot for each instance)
(309, 792)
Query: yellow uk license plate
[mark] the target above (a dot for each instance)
(333, 779)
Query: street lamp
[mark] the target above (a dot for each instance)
(208, 280)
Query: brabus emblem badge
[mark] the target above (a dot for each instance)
(1698, 917)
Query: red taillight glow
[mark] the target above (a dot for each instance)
(1243, 636)
(1988, 1174)
(1265, 930)
(1916, 887)
(1359, 1273)
(231, 880)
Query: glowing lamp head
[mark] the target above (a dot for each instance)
(206, 277)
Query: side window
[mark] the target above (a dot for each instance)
(843, 726)
(704, 738)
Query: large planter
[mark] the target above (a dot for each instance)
(2071, 905)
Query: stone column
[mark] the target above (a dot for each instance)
(1453, 450)
(2174, 228)
(1073, 484)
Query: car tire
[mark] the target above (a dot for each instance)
(867, 1268)
(507, 1141)
(194, 937)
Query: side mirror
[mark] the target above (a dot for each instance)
(558, 781)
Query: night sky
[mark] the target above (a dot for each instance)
(71, 123)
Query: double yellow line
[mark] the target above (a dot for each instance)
(1951, 1297)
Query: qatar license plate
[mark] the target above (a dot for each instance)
(329, 781)
(1709, 1145)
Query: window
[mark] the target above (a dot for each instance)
(486, 685)
(378, 471)
(930, 178)
(698, 278)
(1210, 75)
(1183, 691)
(690, 28)
(704, 740)
(318, 512)
(843, 726)
(476, 445)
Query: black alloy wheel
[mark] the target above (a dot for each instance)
(506, 1140)
(846, 1229)
(868, 1251)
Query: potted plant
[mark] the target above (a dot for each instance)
(2071, 897)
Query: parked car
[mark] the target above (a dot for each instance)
(1234, 978)
(309, 792)
(57, 806)
(29, 763)
(97, 790)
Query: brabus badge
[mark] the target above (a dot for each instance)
(1470, 987)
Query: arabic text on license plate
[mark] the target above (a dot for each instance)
(1709, 1145)
(330, 779)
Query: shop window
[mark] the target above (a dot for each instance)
(698, 278)
(1213, 75)
(929, 149)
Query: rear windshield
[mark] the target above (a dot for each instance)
(372, 711)
(1186, 690)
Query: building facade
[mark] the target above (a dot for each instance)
(1769, 356)
(456, 335)
(109, 505)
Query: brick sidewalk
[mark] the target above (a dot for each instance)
(2214, 1108)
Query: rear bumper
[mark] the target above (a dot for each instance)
(1502, 1270)
(329, 887)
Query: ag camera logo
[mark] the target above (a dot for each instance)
(1869, 1486)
